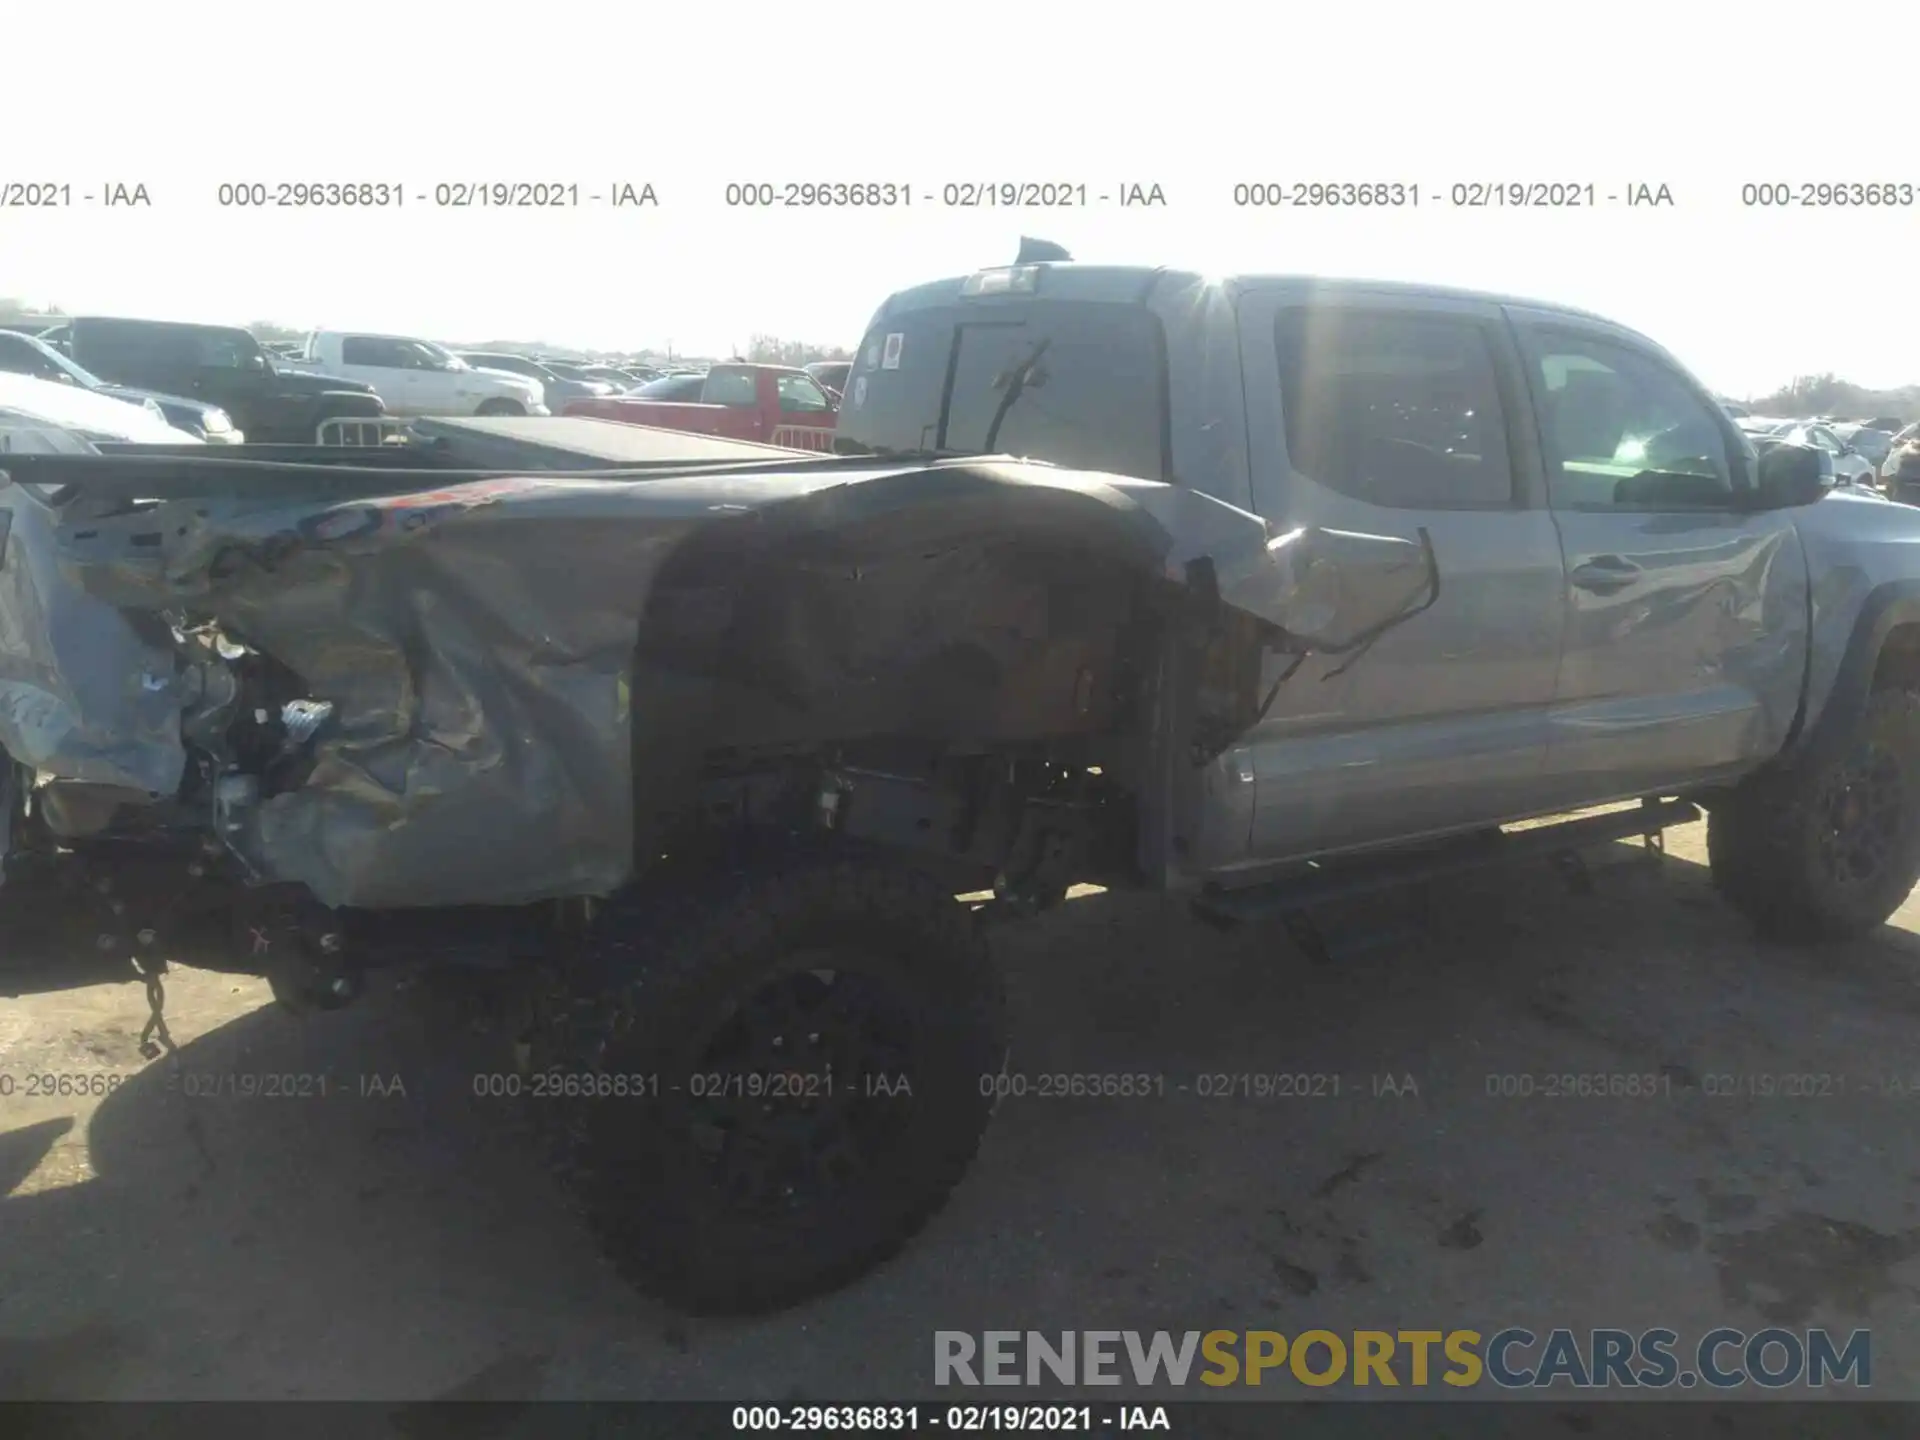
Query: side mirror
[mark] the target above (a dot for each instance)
(1793, 475)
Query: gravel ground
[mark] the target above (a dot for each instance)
(385, 1245)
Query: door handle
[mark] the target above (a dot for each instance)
(1604, 574)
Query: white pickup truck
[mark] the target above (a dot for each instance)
(418, 377)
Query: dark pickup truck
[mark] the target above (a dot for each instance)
(221, 365)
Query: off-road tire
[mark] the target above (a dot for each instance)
(663, 966)
(1772, 842)
(501, 407)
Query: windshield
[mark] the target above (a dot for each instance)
(447, 359)
(65, 363)
(1074, 383)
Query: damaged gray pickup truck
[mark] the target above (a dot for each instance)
(1304, 588)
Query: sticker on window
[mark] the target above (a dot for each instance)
(859, 394)
(873, 356)
(890, 357)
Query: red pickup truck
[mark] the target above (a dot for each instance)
(770, 404)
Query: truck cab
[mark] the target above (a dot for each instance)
(1623, 614)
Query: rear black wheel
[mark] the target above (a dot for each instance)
(776, 1083)
(501, 407)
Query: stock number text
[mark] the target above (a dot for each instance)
(817, 195)
(310, 194)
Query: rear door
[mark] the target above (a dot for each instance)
(1686, 610)
(388, 365)
(1389, 413)
(737, 387)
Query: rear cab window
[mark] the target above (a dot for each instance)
(725, 386)
(1076, 383)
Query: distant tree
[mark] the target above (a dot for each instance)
(1808, 395)
(772, 350)
(272, 330)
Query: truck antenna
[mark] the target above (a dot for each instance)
(1033, 251)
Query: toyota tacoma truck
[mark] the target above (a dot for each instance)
(1258, 590)
(768, 404)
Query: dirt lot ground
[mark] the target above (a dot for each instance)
(372, 1244)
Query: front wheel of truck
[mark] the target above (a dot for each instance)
(779, 1076)
(1827, 850)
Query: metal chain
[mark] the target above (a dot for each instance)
(155, 1040)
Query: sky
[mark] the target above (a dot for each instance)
(1703, 98)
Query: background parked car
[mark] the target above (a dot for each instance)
(831, 375)
(29, 355)
(1900, 472)
(220, 365)
(419, 377)
(1849, 464)
(28, 403)
(1760, 427)
(577, 373)
(680, 389)
(1872, 444)
(608, 374)
(557, 389)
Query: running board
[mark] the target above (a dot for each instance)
(1337, 880)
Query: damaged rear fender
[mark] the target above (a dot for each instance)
(523, 678)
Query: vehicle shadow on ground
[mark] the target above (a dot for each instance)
(377, 1228)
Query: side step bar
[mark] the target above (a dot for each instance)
(1321, 884)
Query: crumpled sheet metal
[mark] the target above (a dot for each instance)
(478, 642)
(83, 694)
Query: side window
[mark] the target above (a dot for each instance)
(1624, 431)
(798, 394)
(1394, 409)
(421, 356)
(371, 350)
(730, 387)
(213, 350)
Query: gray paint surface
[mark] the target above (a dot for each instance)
(477, 641)
(1520, 693)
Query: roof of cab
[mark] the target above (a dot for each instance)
(1133, 284)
